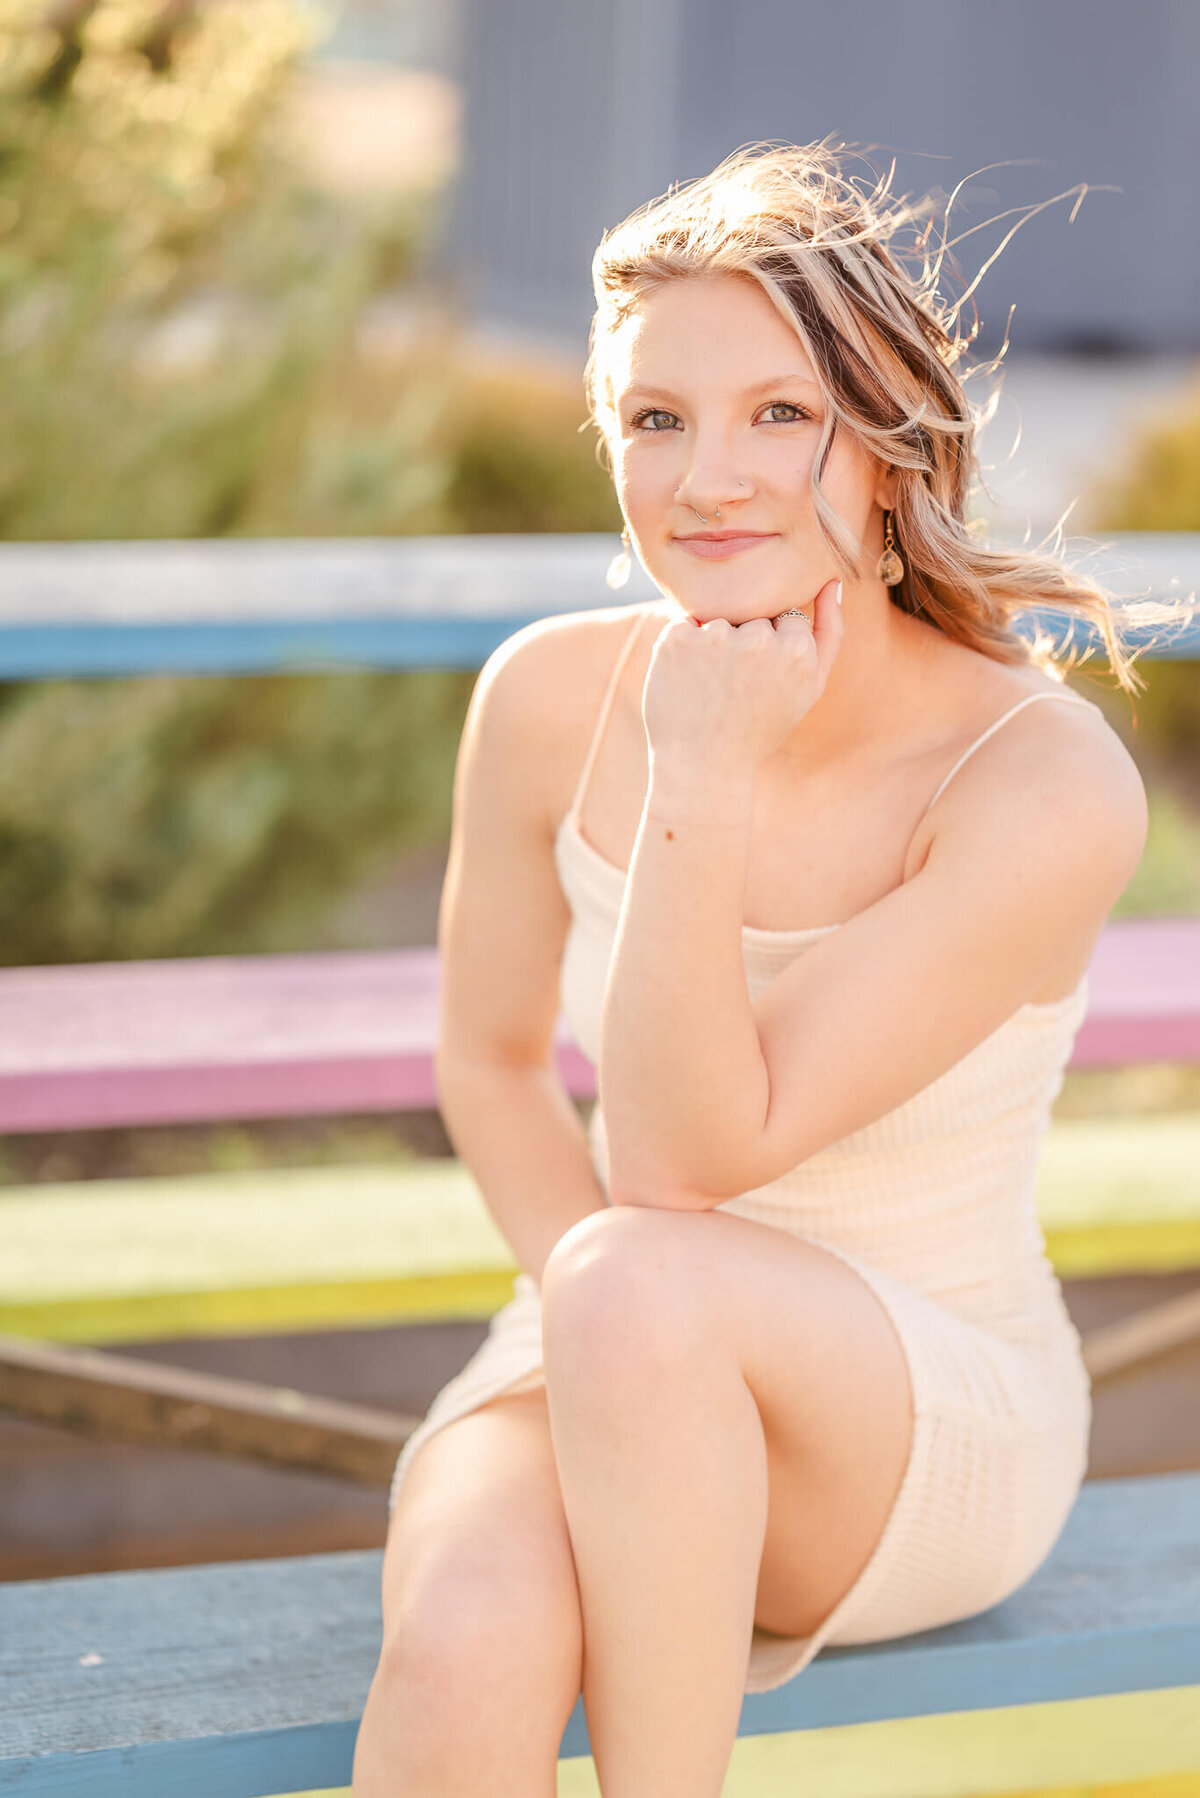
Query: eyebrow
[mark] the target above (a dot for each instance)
(792, 378)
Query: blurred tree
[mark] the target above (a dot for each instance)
(180, 310)
(172, 290)
(206, 815)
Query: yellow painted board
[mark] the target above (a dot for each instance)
(1132, 1745)
(1121, 1194)
(259, 1310)
(329, 1248)
(1064, 1749)
(216, 1254)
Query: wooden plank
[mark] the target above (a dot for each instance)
(1121, 1194)
(145, 1682)
(1143, 1337)
(73, 1505)
(927, 1757)
(120, 1399)
(322, 1248)
(211, 1254)
(102, 1044)
(1101, 1739)
(115, 1397)
(235, 605)
(1144, 994)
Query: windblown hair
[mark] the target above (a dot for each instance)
(884, 348)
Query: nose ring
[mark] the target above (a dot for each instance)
(700, 515)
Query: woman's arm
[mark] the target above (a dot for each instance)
(518, 1132)
(707, 1094)
(501, 930)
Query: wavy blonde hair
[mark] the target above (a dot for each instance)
(884, 348)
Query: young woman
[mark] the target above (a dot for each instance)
(814, 850)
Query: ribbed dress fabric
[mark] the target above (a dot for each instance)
(933, 1206)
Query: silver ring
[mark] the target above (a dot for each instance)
(794, 612)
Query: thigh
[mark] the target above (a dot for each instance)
(816, 1348)
(477, 1545)
(830, 1377)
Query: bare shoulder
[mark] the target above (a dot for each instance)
(543, 686)
(1057, 774)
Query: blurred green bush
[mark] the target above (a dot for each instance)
(1158, 486)
(171, 816)
(172, 289)
(1158, 489)
(180, 321)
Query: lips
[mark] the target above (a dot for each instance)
(720, 544)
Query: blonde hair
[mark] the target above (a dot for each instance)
(884, 347)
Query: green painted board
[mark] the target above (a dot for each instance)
(215, 1254)
(1121, 1195)
(331, 1247)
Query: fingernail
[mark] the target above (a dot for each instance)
(839, 593)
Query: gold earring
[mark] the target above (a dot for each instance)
(889, 567)
(619, 567)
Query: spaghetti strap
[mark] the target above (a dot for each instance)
(1070, 698)
(602, 719)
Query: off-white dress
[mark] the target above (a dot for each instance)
(933, 1205)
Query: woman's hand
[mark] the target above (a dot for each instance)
(725, 695)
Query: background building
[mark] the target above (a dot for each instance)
(576, 112)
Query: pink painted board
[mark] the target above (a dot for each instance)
(113, 1043)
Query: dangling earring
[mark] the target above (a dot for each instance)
(889, 567)
(618, 568)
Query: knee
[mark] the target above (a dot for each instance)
(621, 1285)
(457, 1631)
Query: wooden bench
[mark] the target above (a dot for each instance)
(121, 1261)
(244, 1679)
(250, 1677)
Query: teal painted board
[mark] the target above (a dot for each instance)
(191, 1658)
(247, 606)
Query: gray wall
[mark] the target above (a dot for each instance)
(579, 110)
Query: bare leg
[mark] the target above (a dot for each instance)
(482, 1646)
(663, 1469)
(731, 1416)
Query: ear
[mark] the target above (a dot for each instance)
(885, 488)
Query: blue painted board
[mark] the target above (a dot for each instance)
(231, 646)
(242, 606)
(192, 1657)
(292, 646)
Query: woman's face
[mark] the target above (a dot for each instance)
(717, 404)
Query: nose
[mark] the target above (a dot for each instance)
(710, 475)
(708, 493)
